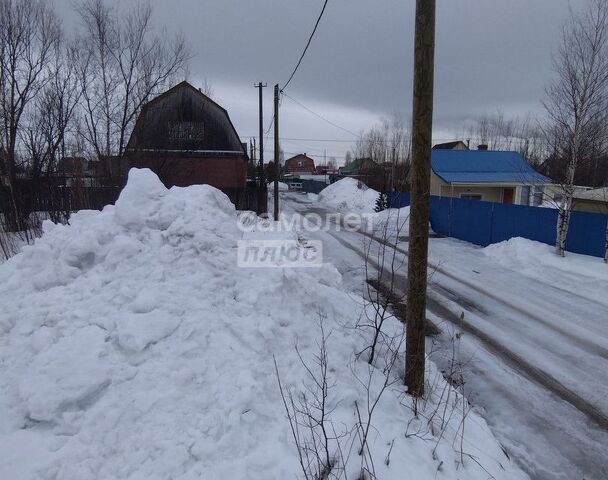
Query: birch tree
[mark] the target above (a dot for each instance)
(576, 100)
(123, 63)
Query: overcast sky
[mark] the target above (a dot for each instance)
(491, 55)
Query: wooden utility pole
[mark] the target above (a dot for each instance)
(422, 129)
(277, 160)
(259, 86)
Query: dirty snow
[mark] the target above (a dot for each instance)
(132, 347)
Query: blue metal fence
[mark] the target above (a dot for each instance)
(484, 223)
(312, 186)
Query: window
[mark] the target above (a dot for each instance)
(537, 198)
(525, 195)
(186, 130)
(300, 163)
(471, 196)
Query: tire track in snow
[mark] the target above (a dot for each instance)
(527, 369)
(468, 303)
(581, 342)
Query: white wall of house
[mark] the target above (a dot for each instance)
(488, 192)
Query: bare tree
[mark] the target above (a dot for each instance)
(123, 63)
(45, 137)
(29, 34)
(309, 414)
(520, 134)
(388, 146)
(577, 99)
(348, 158)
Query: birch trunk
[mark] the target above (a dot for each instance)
(565, 210)
(563, 223)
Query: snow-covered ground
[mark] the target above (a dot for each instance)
(132, 346)
(283, 187)
(582, 274)
(533, 344)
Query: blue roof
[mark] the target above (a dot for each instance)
(484, 166)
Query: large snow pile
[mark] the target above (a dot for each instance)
(133, 347)
(349, 195)
(538, 260)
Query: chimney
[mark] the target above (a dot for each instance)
(483, 147)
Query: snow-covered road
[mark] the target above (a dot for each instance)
(535, 351)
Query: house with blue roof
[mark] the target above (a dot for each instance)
(491, 176)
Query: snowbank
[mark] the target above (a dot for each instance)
(349, 195)
(283, 187)
(393, 224)
(133, 347)
(586, 275)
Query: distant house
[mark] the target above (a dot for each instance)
(300, 164)
(186, 139)
(457, 145)
(326, 170)
(503, 177)
(359, 167)
(594, 201)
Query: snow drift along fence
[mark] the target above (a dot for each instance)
(485, 223)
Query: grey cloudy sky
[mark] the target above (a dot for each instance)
(491, 55)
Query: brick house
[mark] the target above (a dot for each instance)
(186, 139)
(300, 164)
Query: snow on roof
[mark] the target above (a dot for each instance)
(484, 166)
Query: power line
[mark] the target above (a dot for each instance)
(342, 157)
(307, 45)
(338, 140)
(321, 116)
(267, 132)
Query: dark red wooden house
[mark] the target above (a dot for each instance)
(186, 139)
